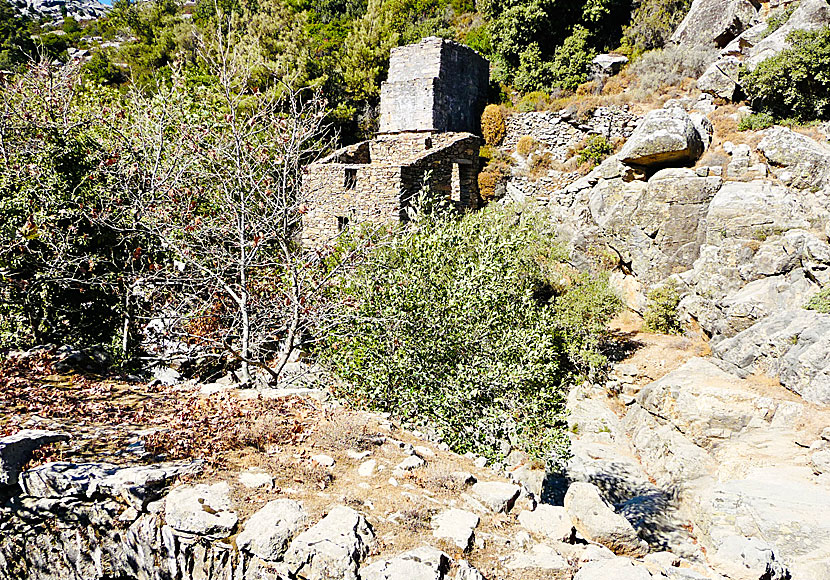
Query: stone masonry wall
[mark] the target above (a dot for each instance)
(341, 194)
(559, 131)
(435, 85)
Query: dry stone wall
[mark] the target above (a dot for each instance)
(559, 131)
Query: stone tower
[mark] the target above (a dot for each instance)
(436, 85)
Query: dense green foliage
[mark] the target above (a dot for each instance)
(474, 326)
(595, 150)
(820, 302)
(61, 274)
(661, 310)
(796, 82)
(653, 22)
(16, 43)
(756, 122)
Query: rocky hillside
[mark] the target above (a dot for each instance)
(56, 10)
(703, 454)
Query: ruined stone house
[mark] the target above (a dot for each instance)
(430, 109)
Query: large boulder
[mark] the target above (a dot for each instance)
(16, 450)
(201, 510)
(268, 531)
(715, 22)
(806, 162)
(720, 79)
(664, 137)
(613, 568)
(748, 559)
(596, 520)
(793, 345)
(753, 210)
(456, 526)
(333, 548)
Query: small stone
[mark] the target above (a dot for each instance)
(467, 572)
(424, 563)
(410, 463)
(367, 468)
(255, 479)
(357, 455)
(456, 526)
(480, 462)
(324, 460)
(424, 451)
(463, 477)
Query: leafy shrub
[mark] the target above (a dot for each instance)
(661, 311)
(572, 60)
(796, 82)
(526, 145)
(493, 126)
(669, 66)
(474, 327)
(596, 148)
(540, 164)
(820, 302)
(756, 122)
(653, 22)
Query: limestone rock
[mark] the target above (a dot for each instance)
(424, 563)
(715, 22)
(467, 572)
(702, 401)
(621, 568)
(201, 509)
(548, 521)
(266, 533)
(16, 450)
(596, 520)
(748, 559)
(608, 64)
(720, 79)
(793, 345)
(752, 210)
(780, 505)
(497, 496)
(807, 161)
(820, 461)
(136, 485)
(332, 548)
(539, 557)
(255, 479)
(455, 525)
(665, 136)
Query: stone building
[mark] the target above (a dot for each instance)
(430, 111)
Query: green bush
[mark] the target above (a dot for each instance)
(474, 327)
(756, 122)
(796, 82)
(661, 311)
(820, 302)
(595, 150)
